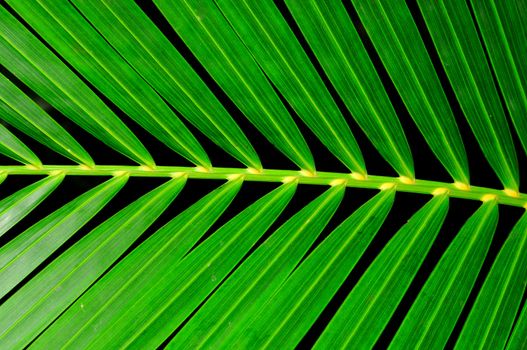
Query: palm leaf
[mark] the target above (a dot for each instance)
(262, 256)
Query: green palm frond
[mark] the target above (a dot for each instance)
(164, 180)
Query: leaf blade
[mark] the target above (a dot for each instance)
(15, 207)
(44, 297)
(337, 46)
(22, 113)
(26, 251)
(369, 306)
(31, 62)
(431, 318)
(215, 44)
(502, 29)
(286, 317)
(261, 274)
(518, 338)
(462, 56)
(148, 51)
(227, 256)
(272, 43)
(88, 52)
(404, 56)
(12, 147)
(491, 318)
(166, 247)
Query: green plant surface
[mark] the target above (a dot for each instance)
(235, 70)
(337, 45)
(12, 147)
(296, 303)
(369, 306)
(396, 38)
(501, 36)
(25, 115)
(19, 204)
(60, 283)
(30, 248)
(452, 279)
(454, 34)
(518, 339)
(490, 315)
(130, 229)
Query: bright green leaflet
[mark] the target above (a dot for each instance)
(89, 53)
(503, 30)
(262, 273)
(518, 339)
(19, 204)
(367, 309)
(431, 319)
(21, 112)
(285, 317)
(490, 321)
(337, 46)
(266, 34)
(148, 51)
(229, 244)
(394, 34)
(12, 147)
(26, 251)
(37, 67)
(39, 302)
(455, 37)
(165, 247)
(154, 317)
(217, 47)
